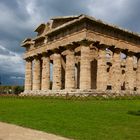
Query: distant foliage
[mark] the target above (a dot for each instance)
(11, 89)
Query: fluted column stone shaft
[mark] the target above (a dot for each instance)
(37, 74)
(116, 76)
(45, 73)
(57, 72)
(129, 77)
(28, 75)
(70, 70)
(101, 70)
(85, 68)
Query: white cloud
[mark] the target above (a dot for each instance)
(107, 10)
(11, 62)
(12, 24)
(17, 77)
(124, 13)
(34, 15)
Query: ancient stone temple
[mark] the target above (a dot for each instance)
(79, 54)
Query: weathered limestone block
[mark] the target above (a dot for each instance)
(138, 76)
(57, 72)
(28, 75)
(129, 77)
(37, 74)
(45, 84)
(101, 70)
(85, 68)
(70, 70)
(116, 75)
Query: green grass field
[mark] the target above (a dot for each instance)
(84, 120)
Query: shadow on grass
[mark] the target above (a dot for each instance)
(136, 113)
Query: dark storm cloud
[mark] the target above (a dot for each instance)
(131, 15)
(124, 13)
(12, 79)
(14, 6)
(20, 17)
(63, 7)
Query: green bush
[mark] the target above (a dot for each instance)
(11, 89)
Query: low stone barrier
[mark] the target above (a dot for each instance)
(80, 93)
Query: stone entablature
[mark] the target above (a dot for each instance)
(82, 53)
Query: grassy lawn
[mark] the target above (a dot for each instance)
(84, 120)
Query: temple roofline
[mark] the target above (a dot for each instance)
(65, 17)
(82, 16)
(42, 25)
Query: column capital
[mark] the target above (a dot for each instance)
(129, 53)
(38, 56)
(85, 43)
(45, 54)
(92, 46)
(102, 47)
(117, 50)
(102, 52)
(29, 59)
(69, 51)
(116, 53)
(55, 55)
(56, 51)
(137, 55)
(71, 45)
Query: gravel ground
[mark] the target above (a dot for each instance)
(13, 132)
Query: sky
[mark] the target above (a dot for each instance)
(19, 18)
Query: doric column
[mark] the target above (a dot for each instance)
(85, 68)
(101, 70)
(45, 84)
(138, 75)
(116, 75)
(37, 73)
(70, 70)
(28, 74)
(57, 84)
(129, 77)
(94, 55)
